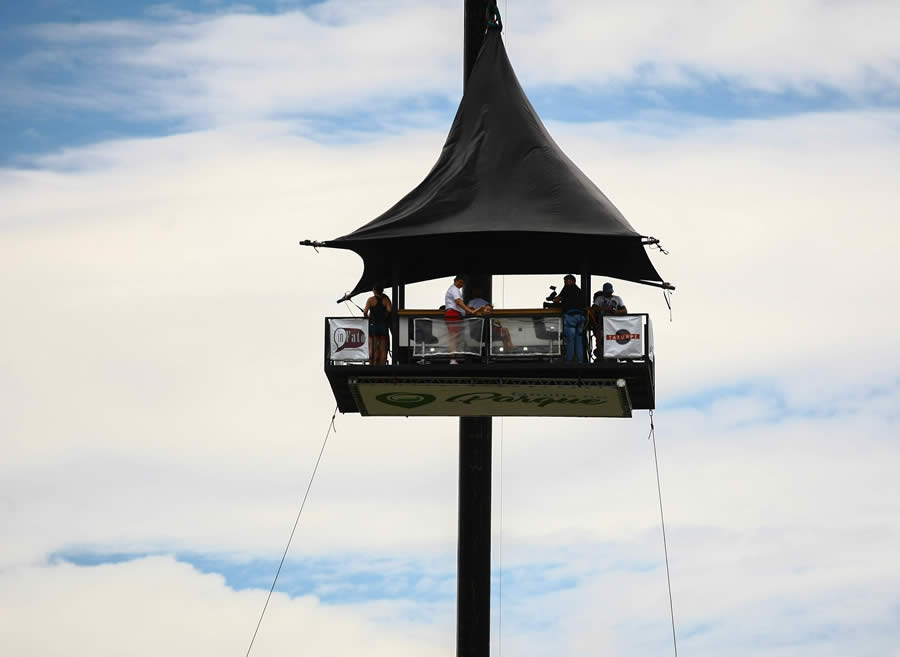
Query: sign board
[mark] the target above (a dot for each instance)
(491, 398)
(623, 336)
(348, 339)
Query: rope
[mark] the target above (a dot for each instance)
(667, 295)
(296, 522)
(500, 556)
(500, 540)
(662, 520)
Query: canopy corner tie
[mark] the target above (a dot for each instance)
(313, 243)
(652, 241)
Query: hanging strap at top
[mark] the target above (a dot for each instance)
(493, 17)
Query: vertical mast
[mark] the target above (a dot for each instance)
(473, 584)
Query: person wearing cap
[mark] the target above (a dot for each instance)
(571, 300)
(607, 303)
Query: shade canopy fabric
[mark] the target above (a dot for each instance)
(502, 198)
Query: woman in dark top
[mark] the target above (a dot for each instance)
(378, 310)
(571, 300)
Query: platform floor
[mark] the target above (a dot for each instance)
(637, 375)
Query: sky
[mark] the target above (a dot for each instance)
(162, 399)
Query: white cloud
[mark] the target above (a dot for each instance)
(160, 371)
(155, 605)
(764, 46)
(213, 69)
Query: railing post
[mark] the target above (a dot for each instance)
(395, 319)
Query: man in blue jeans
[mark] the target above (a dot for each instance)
(571, 300)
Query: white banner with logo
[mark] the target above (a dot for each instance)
(623, 336)
(349, 339)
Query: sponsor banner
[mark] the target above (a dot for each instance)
(623, 336)
(349, 339)
(491, 399)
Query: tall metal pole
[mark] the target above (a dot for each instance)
(473, 571)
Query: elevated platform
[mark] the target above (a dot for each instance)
(509, 364)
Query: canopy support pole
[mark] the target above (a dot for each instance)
(473, 564)
(586, 285)
(473, 560)
(474, 26)
(473, 583)
(395, 318)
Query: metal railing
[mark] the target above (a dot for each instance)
(502, 337)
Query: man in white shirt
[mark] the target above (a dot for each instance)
(454, 311)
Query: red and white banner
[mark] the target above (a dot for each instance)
(349, 339)
(623, 336)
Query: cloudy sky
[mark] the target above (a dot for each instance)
(162, 400)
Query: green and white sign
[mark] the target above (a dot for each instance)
(488, 399)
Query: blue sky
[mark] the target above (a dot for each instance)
(44, 63)
(164, 396)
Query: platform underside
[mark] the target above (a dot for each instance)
(546, 389)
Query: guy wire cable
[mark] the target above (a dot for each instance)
(500, 556)
(294, 529)
(500, 540)
(662, 520)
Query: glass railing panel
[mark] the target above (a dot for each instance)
(524, 337)
(439, 338)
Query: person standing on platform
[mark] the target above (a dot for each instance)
(605, 303)
(378, 311)
(608, 303)
(571, 300)
(455, 310)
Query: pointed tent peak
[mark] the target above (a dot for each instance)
(502, 198)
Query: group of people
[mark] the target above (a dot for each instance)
(571, 301)
(575, 314)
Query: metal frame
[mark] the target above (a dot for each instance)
(486, 355)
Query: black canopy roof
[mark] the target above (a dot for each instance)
(502, 199)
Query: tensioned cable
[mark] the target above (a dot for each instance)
(294, 529)
(500, 541)
(500, 556)
(662, 520)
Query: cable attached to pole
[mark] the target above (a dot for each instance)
(293, 530)
(500, 549)
(662, 519)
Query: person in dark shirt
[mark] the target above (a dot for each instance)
(378, 310)
(571, 300)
